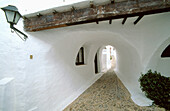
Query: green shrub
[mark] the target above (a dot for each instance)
(157, 88)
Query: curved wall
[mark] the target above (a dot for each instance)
(160, 64)
(51, 80)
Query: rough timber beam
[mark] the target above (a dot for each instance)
(124, 20)
(137, 20)
(117, 10)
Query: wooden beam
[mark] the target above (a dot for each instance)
(138, 19)
(110, 21)
(97, 13)
(112, 1)
(124, 20)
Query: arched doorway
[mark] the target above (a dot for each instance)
(105, 59)
(108, 58)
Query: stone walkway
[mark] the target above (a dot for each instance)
(107, 94)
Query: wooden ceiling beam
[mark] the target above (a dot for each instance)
(138, 19)
(124, 20)
(117, 10)
(110, 21)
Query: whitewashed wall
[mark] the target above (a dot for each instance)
(50, 81)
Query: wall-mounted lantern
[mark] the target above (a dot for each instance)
(13, 16)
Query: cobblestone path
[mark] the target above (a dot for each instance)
(107, 94)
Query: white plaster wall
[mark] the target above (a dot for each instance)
(50, 81)
(7, 94)
(163, 65)
(103, 60)
(157, 63)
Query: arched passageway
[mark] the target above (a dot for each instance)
(105, 59)
(128, 62)
(108, 58)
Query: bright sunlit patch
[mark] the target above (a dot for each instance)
(108, 58)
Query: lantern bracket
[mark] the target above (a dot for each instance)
(13, 16)
(16, 30)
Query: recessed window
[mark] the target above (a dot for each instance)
(166, 52)
(96, 64)
(80, 57)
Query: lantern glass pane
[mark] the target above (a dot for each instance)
(10, 16)
(17, 17)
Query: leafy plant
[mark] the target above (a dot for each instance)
(157, 88)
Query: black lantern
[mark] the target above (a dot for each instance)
(13, 16)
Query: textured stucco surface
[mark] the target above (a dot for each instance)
(50, 81)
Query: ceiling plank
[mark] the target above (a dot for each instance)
(124, 20)
(138, 19)
(118, 10)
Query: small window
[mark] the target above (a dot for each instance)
(166, 52)
(80, 57)
(96, 64)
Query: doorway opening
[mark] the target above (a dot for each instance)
(105, 59)
(96, 64)
(108, 58)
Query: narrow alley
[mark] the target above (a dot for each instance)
(107, 94)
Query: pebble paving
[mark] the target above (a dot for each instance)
(107, 94)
